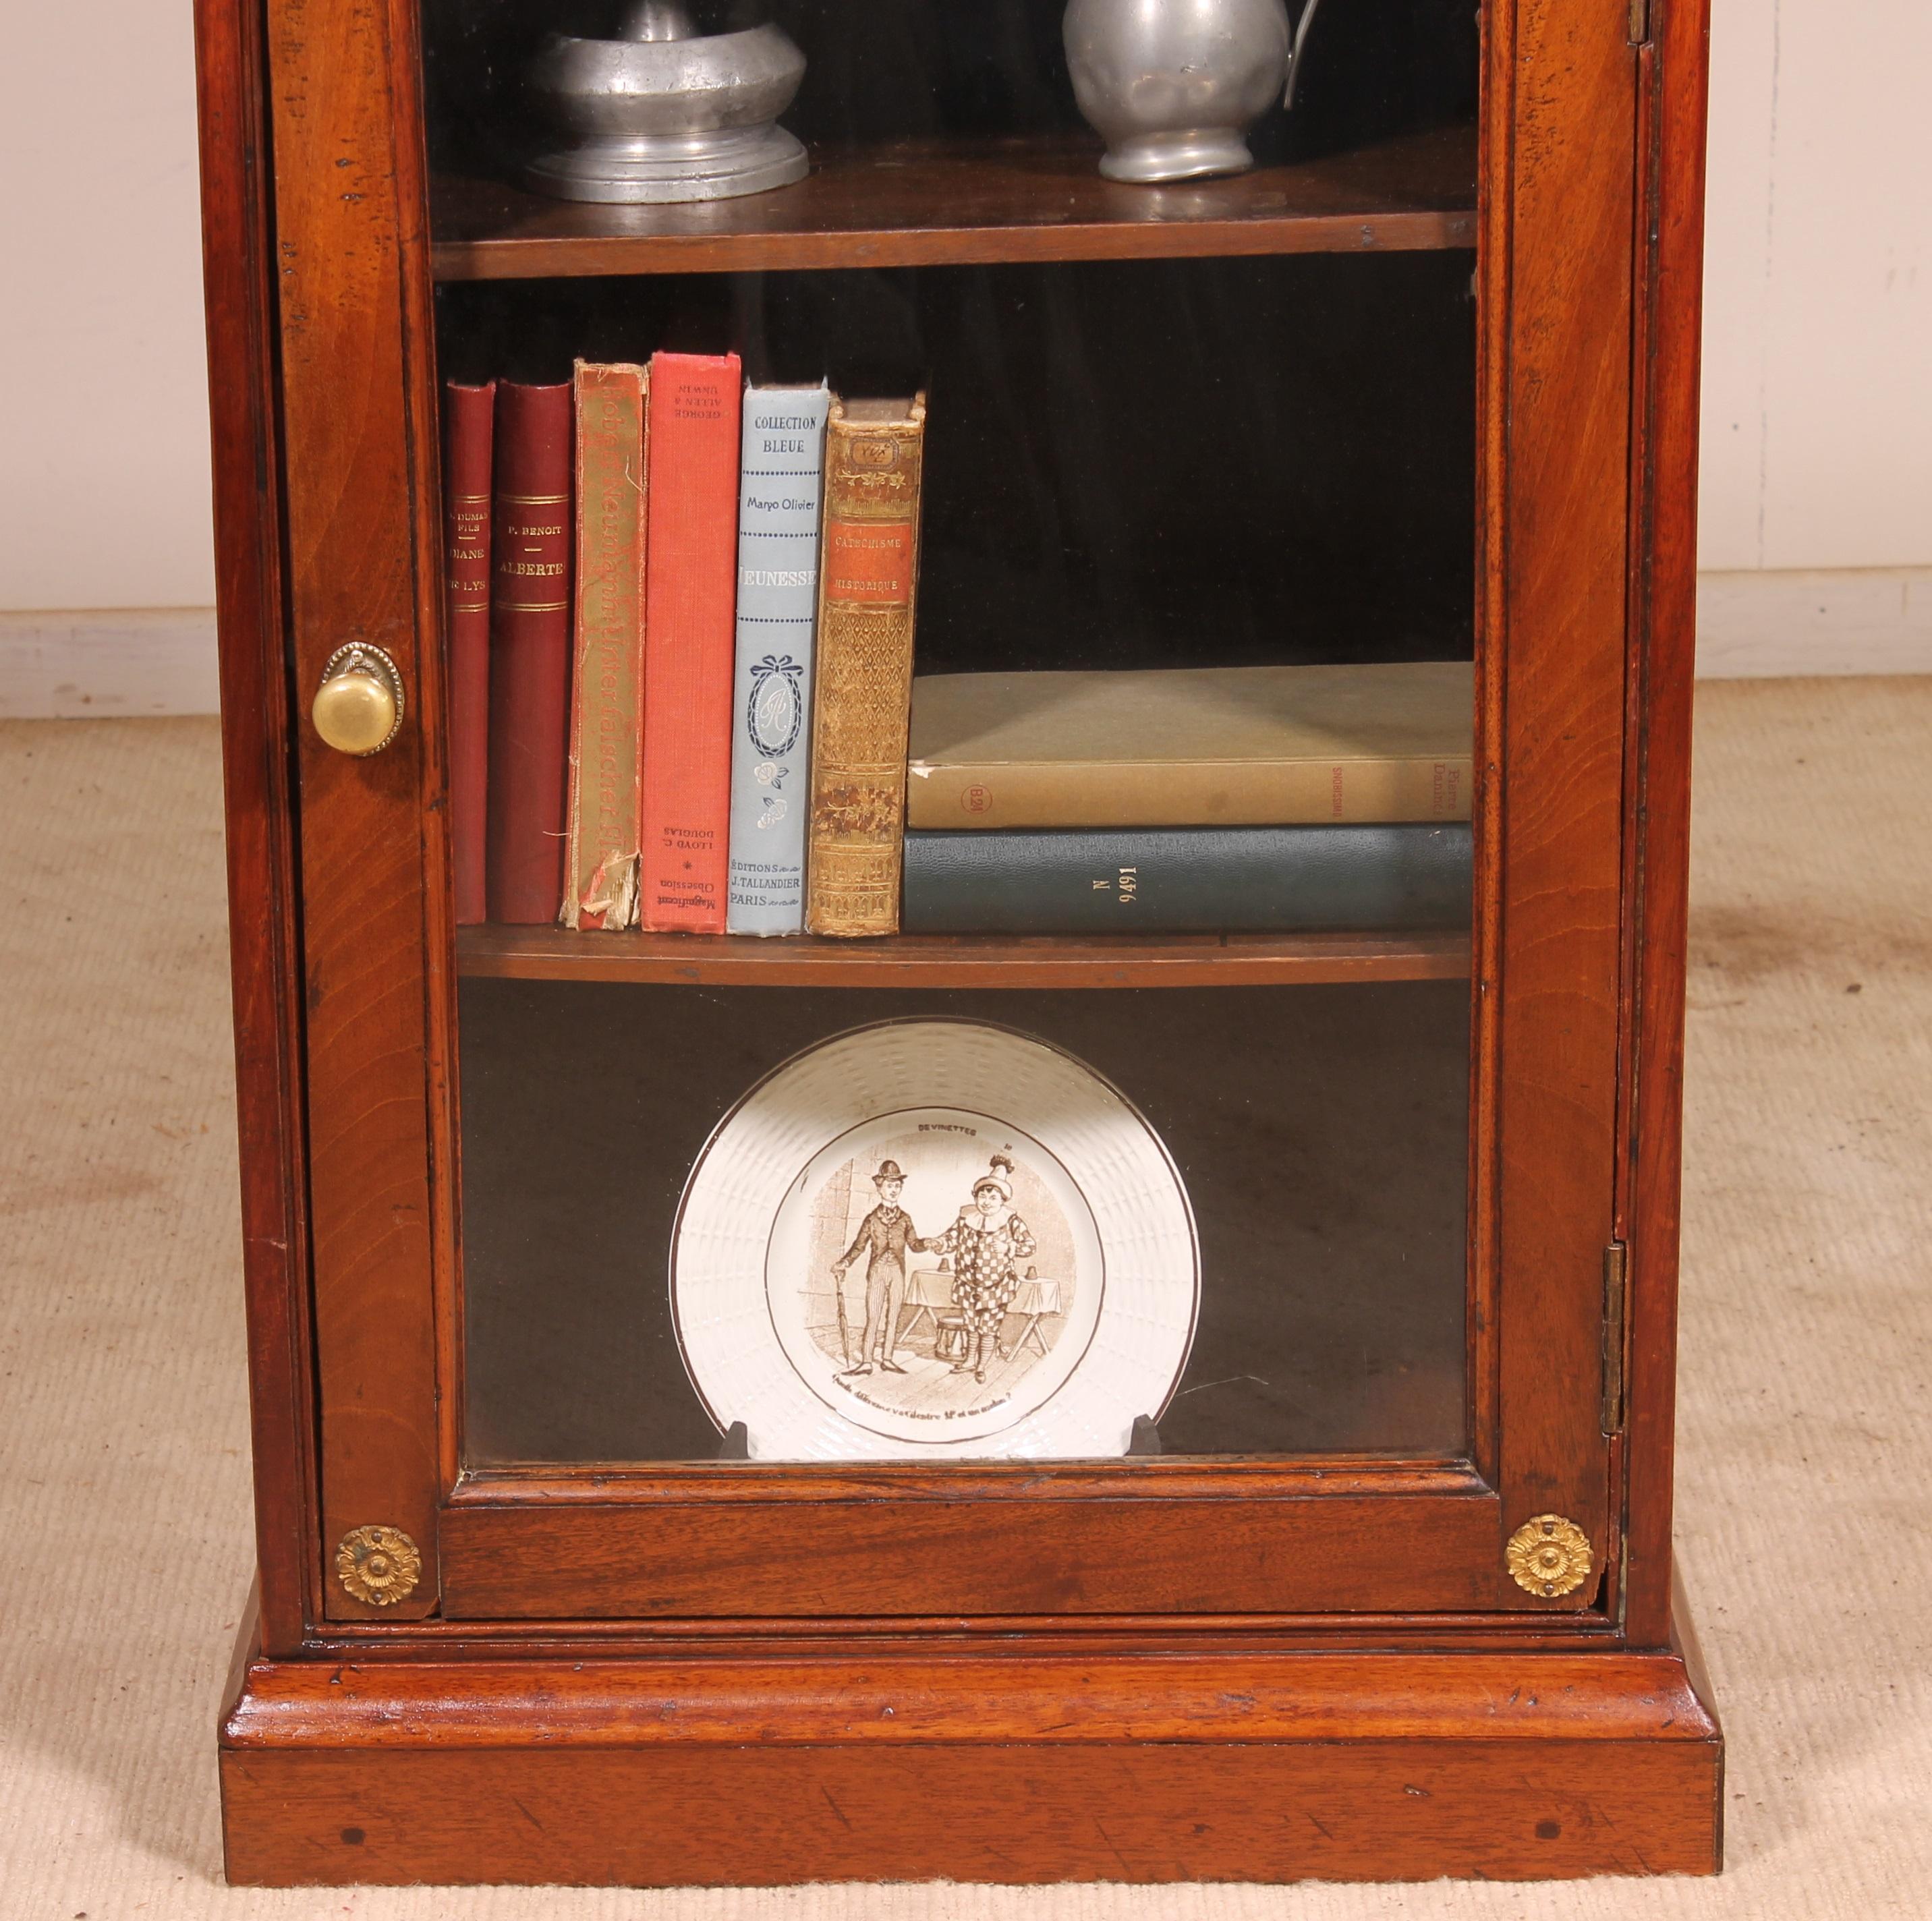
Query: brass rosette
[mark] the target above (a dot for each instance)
(378, 1566)
(1548, 1555)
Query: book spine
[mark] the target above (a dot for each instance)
(1033, 794)
(604, 816)
(1189, 880)
(469, 423)
(688, 624)
(781, 479)
(869, 567)
(529, 652)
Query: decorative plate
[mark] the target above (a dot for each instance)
(932, 1239)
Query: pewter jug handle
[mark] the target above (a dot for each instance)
(1301, 27)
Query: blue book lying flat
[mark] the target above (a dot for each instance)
(1189, 880)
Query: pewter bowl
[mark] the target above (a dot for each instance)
(666, 119)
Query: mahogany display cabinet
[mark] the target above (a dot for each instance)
(1380, 1586)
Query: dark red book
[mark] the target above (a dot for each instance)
(529, 652)
(468, 419)
(689, 638)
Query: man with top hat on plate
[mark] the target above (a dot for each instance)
(884, 1236)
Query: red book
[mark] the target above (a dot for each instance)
(469, 419)
(689, 634)
(529, 652)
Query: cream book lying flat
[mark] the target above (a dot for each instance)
(1188, 747)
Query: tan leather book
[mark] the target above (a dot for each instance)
(603, 825)
(875, 456)
(1187, 747)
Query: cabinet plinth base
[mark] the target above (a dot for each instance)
(768, 1769)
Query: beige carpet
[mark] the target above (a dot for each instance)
(1806, 1526)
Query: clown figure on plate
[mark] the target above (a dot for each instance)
(984, 1244)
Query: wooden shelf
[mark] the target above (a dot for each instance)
(952, 204)
(953, 960)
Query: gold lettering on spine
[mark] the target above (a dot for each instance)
(868, 592)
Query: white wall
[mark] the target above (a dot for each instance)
(1818, 415)
(1818, 287)
(104, 411)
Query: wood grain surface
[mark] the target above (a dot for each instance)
(1670, 222)
(763, 1817)
(264, 944)
(360, 507)
(1558, 232)
(1140, 1553)
(1174, 1477)
(962, 960)
(1075, 1677)
(979, 1698)
(958, 203)
(1082, 1637)
(1182, 1767)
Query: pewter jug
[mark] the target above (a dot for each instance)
(1174, 86)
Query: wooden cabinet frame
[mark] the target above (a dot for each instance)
(1358, 1602)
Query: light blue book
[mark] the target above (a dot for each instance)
(781, 479)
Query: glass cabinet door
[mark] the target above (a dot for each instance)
(1243, 1253)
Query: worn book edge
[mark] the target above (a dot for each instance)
(868, 576)
(608, 653)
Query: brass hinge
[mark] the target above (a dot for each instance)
(1616, 1274)
(1639, 23)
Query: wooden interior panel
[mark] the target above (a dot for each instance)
(1330, 1322)
(962, 960)
(947, 203)
(1306, 495)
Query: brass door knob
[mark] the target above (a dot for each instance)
(359, 707)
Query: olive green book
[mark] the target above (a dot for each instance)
(1257, 746)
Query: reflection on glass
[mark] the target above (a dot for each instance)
(1131, 466)
(1320, 1133)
